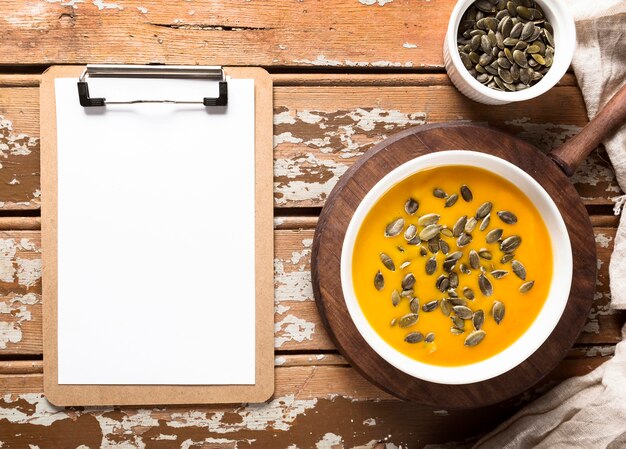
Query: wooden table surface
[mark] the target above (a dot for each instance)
(347, 74)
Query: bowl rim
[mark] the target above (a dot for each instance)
(521, 349)
(564, 35)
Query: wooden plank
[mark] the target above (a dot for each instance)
(19, 145)
(320, 130)
(321, 406)
(345, 33)
(297, 323)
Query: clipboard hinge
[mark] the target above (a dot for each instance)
(152, 71)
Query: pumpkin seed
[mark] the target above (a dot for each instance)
(405, 264)
(423, 251)
(497, 311)
(433, 245)
(387, 262)
(466, 193)
(483, 210)
(519, 269)
(379, 281)
(463, 240)
(395, 298)
(456, 331)
(468, 293)
(394, 228)
(430, 337)
(507, 258)
(499, 274)
(507, 216)
(431, 266)
(451, 201)
(510, 244)
(408, 281)
(411, 205)
(410, 233)
(448, 265)
(485, 285)
(484, 253)
(445, 307)
(414, 337)
(526, 286)
(444, 246)
(414, 305)
(471, 225)
(494, 235)
(474, 338)
(458, 322)
(478, 319)
(453, 278)
(408, 320)
(464, 269)
(463, 312)
(430, 306)
(446, 232)
(520, 58)
(439, 193)
(454, 256)
(474, 259)
(430, 231)
(428, 219)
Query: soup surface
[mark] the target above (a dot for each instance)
(499, 293)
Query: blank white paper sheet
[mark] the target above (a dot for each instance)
(156, 234)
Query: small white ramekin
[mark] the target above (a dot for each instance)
(539, 330)
(558, 15)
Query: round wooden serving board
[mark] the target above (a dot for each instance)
(351, 190)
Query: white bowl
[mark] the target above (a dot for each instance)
(564, 39)
(549, 314)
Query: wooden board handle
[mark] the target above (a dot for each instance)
(570, 155)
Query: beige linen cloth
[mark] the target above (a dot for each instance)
(589, 411)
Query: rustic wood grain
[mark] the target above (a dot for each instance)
(333, 225)
(320, 131)
(297, 323)
(344, 33)
(314, 406)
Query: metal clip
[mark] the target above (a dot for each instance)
(152, 71)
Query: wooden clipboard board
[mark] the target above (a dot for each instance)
(86, 395)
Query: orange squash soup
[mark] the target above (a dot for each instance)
(452, 265)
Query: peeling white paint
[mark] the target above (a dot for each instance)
(330, 441)
(142, 9)
(322, 60)
(374, 2)
(545, 136)
(603, 240)
(292, 328)
(72, 3)
(592, 327)
(279, 360)
(28, 271)
(280, 309)
(292, 284)
(14, 311)
(101, 4)
(278, 414)
(44, 415)
(409, 45)
(369, 422)
(600, 351)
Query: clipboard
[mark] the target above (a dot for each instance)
(153, 394)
